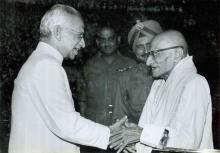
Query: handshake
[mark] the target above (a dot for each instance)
(124, 135)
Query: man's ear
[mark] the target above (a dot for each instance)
(57, 32)
(179, 54)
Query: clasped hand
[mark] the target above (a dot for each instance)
(124, 135)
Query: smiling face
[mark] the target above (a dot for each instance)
(72, 37)
(107, 41)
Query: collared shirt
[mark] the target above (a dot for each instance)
(44, 119)
(181, 105)
(101, 87)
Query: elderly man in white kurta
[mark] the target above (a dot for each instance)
(43, 116)
(178, 110)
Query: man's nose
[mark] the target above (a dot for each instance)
(149, 60)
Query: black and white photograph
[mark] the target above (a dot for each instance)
(109, 76)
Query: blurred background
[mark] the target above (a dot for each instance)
(199, 20)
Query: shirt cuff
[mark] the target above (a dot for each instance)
(152, 134)
(104, 136)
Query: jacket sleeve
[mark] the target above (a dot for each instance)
(56, 108)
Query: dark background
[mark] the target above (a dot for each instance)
(198, 20)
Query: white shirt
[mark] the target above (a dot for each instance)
(44, 119)
(182, 105)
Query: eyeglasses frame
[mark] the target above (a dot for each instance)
(154, 52)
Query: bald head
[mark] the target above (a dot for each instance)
(167, 50)
(171, 38)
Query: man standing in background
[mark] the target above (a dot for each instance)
(136, 81)
(101, 77)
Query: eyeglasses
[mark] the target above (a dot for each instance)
(154, 53)
(79, 34)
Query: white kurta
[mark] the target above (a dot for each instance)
(44, 119)
(181, 104)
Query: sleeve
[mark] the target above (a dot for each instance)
(191, 119)
(57, 109)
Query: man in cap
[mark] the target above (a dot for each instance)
(44, 119)
(178, 110)
(136, 81)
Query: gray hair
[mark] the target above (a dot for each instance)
(55, 16)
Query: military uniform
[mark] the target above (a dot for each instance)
(99, 94)
(101, 87)
(135, 85)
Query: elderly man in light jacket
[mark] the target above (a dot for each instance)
(44, 119)
(178, 110)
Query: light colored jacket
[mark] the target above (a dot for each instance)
(182, 105)
(44, 119)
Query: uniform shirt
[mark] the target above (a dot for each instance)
(101, 87)
(135, 84)
(44, 119)
(181, 105)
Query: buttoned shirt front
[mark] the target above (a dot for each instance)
(101, 87)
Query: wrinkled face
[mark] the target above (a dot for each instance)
(72, 37)
(161, 59)
(107, 42)
(142, 45)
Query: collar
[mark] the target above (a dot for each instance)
(185, 63)
(184, 66)
(48, 49)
